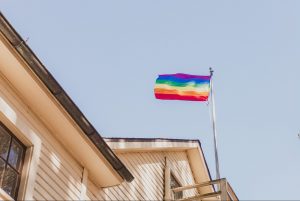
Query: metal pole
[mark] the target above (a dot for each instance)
(214, 124)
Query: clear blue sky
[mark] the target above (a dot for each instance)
(107, 55)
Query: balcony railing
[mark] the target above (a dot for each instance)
(224, 191)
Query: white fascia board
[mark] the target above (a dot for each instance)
(126, 145)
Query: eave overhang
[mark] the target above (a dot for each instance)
(192, 147)
(56, 93)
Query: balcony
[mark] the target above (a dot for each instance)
(224, 191)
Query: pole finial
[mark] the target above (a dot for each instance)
(211, 71)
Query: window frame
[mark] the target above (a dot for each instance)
(22, 162)
(172, 175)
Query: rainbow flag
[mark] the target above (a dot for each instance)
(182, 87)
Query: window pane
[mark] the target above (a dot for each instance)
(15, 155)
(2, 166)
(175, 184)
(4, 142)
(10, 181)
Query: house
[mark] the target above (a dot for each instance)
(50, 151)
(164, 169)
(45, 139)
(161, 164)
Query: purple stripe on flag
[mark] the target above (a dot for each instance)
(185, 76)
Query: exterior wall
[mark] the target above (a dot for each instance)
(58, 177)
(148, 170)
(49, 172)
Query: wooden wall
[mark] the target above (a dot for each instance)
(53, 173)
(148, 170)
(58, 175)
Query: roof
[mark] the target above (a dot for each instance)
(62, 97)
(127, 139)
(191, 146)
(151, 144)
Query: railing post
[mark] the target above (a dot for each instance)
(223, 188)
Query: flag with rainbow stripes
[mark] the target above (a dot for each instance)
(181, 86)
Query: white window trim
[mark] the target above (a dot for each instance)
(27, 180)
(4, 195)
(25, 169)
(11, 110)
(25, 173)
(169, 195)
(172, 173)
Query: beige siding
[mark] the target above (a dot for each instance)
(54, 174)
(148, 170)
(58, 175)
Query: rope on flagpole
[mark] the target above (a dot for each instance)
(213, 119)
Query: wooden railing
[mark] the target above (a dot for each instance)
(223, 191)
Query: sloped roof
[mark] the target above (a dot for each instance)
(62, 97)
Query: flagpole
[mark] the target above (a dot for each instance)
(213, 115)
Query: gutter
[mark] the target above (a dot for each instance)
(62, 97)
(138, 139)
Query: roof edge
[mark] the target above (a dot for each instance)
(138, 139)
(62, 97)
(209, 174)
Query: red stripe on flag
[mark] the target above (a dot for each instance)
(178, 97)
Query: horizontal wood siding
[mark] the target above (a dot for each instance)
(181, 170)
(58, 174)
(148, 171)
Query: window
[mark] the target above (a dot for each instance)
(174, 184)
(12, 153)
